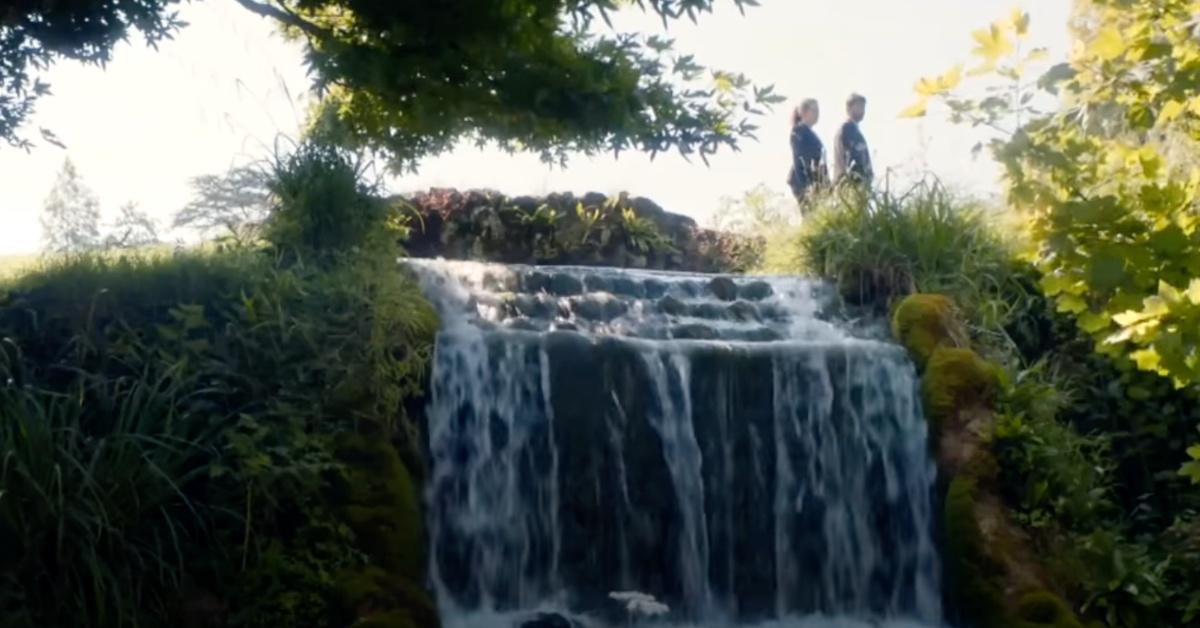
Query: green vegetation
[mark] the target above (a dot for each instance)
(179, 431)
(1086, 449)
(1111, 202)
(412, 79)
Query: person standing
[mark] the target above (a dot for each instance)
(809, 171)
(852, 159)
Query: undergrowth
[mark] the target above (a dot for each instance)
(168, 423)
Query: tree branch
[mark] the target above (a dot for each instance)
(285, 16)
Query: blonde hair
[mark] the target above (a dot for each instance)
(807, 104)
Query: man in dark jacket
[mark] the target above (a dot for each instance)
(808, 171)
(852, 159)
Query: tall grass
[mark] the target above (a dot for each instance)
(94, 506)
(881, 245)
(167, 425)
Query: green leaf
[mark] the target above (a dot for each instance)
(1146, 359)
(1107, 44)
(1092, 322)
(1070, 303)
(1193, 291)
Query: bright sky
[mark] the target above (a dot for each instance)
(227, 87)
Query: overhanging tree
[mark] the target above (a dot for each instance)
(412, 78)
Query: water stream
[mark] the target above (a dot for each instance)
(722, 444)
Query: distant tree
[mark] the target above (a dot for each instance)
(132, 229)
(412, 78)
(71, 214)
(233, 204)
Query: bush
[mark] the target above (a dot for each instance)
(878, 246)
(322, 201)
(169, 429)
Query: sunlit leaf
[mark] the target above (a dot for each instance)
(1146, 359)
(1020, 22)
(993, 43)
(1107, 44)
(916, 110)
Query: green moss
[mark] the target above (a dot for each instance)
(955, 379)
(373, 588)
(390, 619)
(1042, 608)
(925, 322)
(977, 595)
(378, 500)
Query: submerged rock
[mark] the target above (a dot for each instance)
(723, 288)
(547, 620)
(755, 291)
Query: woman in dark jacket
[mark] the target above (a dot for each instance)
(809, 171)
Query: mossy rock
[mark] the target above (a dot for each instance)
(390, 619)
(978, 594)
(924, 322)
(379, 502)
(1043, 608)
(956, 379)
(373, 591)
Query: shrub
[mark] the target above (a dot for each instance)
(169, 431)
(879, 245)
(322, 201)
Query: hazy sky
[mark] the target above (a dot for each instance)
(227, 87)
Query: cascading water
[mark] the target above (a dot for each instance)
(708, 441)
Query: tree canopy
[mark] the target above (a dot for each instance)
(412, 78)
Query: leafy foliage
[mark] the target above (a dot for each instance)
(35, 33)
(879, 245)
(169, 428)
(413, 78)
(323, 203)
(71, 214)
(1108, 181)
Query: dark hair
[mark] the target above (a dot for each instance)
(855, 99)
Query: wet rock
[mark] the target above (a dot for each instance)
(499, 282)
(712, 311)
(598, 308)
(763, 334)
(628, 287)
(547, 620)
(565, 285)
(723, 288)
(672, 306)
(688, 288)
(654, 288)
(533, 307)
(535, 282)
(694, 331)
(597, 283)
(743, 311)
(522, 324)
(756, 291)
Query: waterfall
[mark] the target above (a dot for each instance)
(720, 443)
